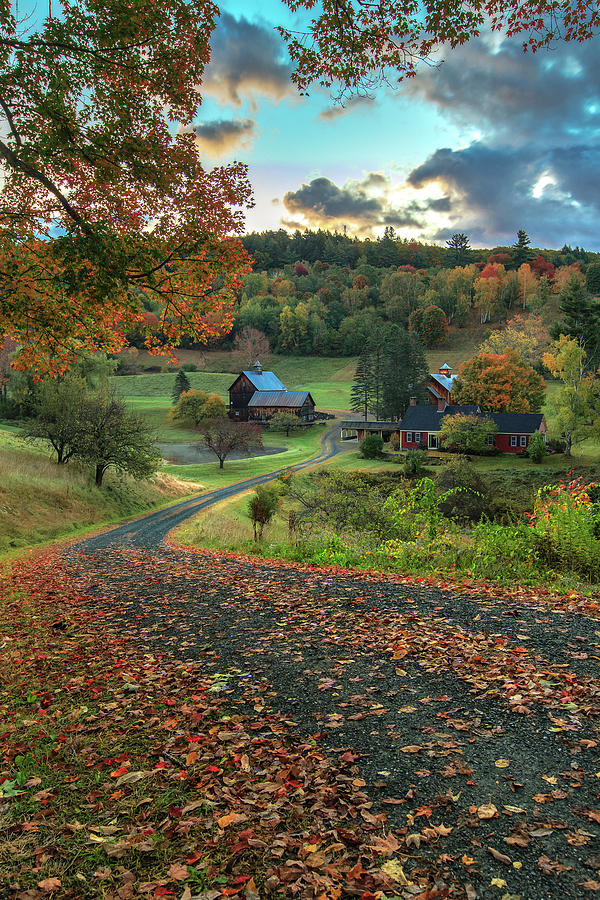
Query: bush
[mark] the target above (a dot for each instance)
(469, 502)
(414, 463)
(537, 448)
(189, 367)
(395, 441)
(555, 445)
(371, 446)
(564, 523)
(262, 507)
(9, 409)
(152, 369)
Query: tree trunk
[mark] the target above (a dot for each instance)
(59, 455)
(568, 445)
(99, 474)
(221, 461)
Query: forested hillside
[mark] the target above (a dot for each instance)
(325, 294)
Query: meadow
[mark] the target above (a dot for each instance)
(42, 501)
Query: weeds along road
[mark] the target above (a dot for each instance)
(151, 529)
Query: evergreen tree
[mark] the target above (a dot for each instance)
(361, 395)
(521, 251)
(182, 384)
(460, 249)
(581, 322)
(405, 372)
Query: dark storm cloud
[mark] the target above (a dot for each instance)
(534, 163)
(223, 136)
(247, 59)
(493, 192)
(522, 97)
(323, 203)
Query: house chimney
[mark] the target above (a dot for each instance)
(441, 404)
(413, 401)
(257, 368)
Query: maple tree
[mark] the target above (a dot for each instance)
(525, 335)
(466, 433)
(195, 406)
(106, 207)
(499, 382)
(223, 437)
(358, 44)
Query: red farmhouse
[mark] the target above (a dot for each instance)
(420, 426)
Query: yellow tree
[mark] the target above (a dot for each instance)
(575, 405)
(527, 282)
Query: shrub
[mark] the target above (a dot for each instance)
(469, 502)
(262, 506)
(564, 523)
(555, 445)
(537, 448)
(189, 367)
(153, 369)
(414, 463)
(371, 446)
(395, 441)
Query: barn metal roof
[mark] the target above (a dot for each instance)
(266, 381)
(291, 399)
(445, 380)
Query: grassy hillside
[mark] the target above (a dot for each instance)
(40, 500)
(329, 381)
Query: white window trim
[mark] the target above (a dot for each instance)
(418, 437)
(513, 440)
(409, 437)
(523, 440)
(491, 439)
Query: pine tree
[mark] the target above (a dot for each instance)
(182, 383)
(361, 395)
(460, 248)
(405, 372)
(521, 251)
(581, 321)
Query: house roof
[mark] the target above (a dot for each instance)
(446, 381)
(290, 399)
(428, 418)
(434, 392)
(516, 423)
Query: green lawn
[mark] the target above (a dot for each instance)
(300, 448)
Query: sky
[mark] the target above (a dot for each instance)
(490, 141)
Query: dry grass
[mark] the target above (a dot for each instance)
(40, 500)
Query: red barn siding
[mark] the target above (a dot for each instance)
(503, 443)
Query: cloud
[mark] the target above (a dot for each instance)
(353, 103)
(222, 136)
(247, 59)
(323, 204)
(533, 160)
(550, 192)
(508, 95)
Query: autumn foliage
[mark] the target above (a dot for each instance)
(107, 210)
(499, 382)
